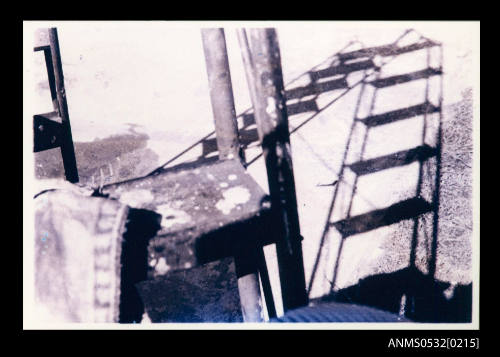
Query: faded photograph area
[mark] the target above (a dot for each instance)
(288, 172)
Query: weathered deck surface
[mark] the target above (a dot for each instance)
(204, 212)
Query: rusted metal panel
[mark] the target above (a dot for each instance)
(204, 213)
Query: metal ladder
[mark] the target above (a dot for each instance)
(53, 129)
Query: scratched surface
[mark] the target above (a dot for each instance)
(205, 208)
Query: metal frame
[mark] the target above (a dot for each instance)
(261, 57)
(50, 133)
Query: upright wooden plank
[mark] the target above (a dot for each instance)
(272, 122)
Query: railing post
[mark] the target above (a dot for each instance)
(272, 123)
(226, 130)
(67, 148)
(221, 93)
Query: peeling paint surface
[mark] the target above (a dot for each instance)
(171, 216)
(271, 107)
(233, 197)
(189, 205)
(161, 267)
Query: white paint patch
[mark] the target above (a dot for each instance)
(232, 177)
(233, 197)
(171, 216)
(271, 107)
(152, 263)
(223, 184)
(162, 267)
(136, 198)
(210, 177)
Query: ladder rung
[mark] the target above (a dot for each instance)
(387, 50)
(397, 212)
(341, 69)
(403, 78)
(302, 107)
(316, 88)
(400, 114)
(401, 158)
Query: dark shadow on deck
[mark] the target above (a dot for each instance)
(424, 298)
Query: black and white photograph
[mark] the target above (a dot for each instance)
(250, 174)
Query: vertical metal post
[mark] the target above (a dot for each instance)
(221, 93)
(67, 149)
(266, 283)
(248, 64)
(248, 287)
(272, 123)
(247, 266)
(226, 130)
(250, 75)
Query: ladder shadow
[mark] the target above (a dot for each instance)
(300, 99)
(424, 299)
(303, 99)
